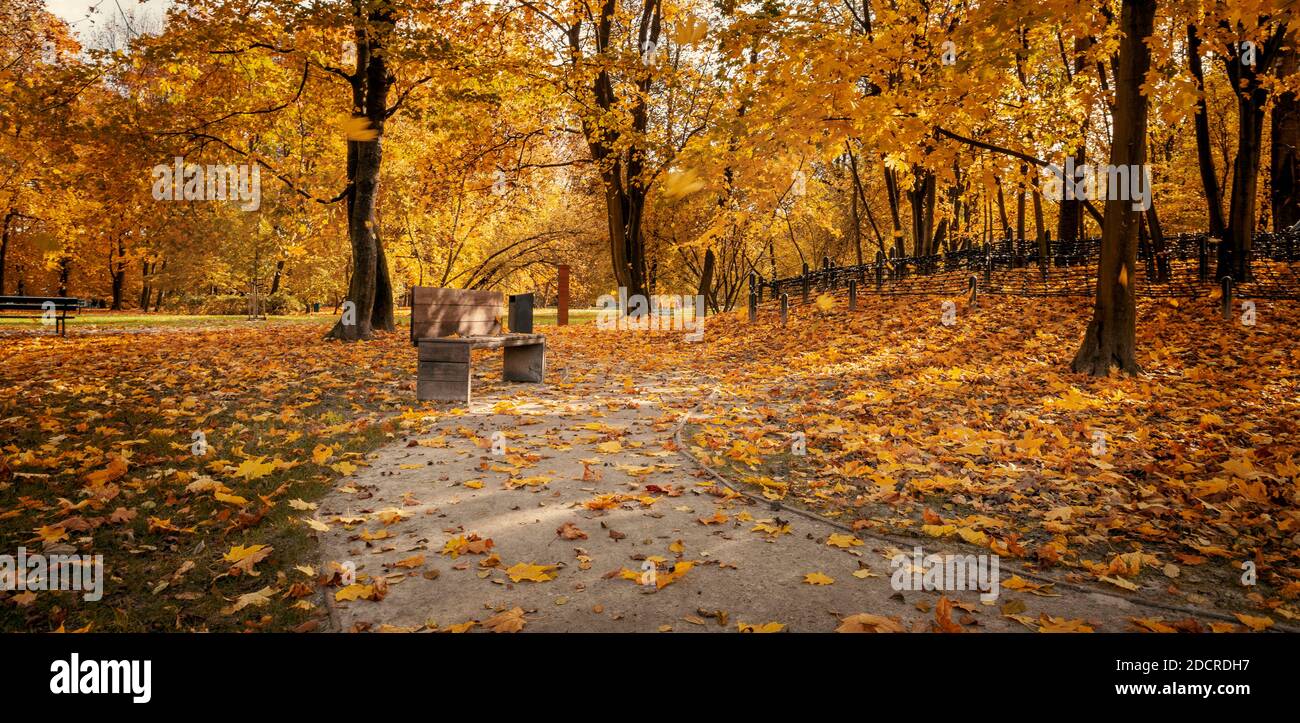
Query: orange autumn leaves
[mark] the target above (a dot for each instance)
(1187, 465)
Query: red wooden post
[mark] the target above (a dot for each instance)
(562, 313)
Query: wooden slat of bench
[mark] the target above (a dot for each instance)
(473, 312)
(37, 303)
(444, 352)
(427, 295)
(447, 327)
(493, 341)
(441, 391)
(441, 371)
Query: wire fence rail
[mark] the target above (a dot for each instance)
(1182, 268)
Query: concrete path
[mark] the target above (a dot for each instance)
(592, 454)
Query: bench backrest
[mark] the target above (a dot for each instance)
(443, 312)
(37, 303)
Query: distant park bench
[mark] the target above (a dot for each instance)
(49, 306)
(447, 324)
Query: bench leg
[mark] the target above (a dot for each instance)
(443, 382)
(524, 363)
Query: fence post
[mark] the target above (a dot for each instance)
(974, 290)
(988, 265)
(785, 308)
(753, 306)
(562, 296)
(1227, 297)
(805, 279)
(853, 294)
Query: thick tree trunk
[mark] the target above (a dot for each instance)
(1234, 254)
(365, 158)
(1284, 160)
(117, 270)
(1252, 96)
(382, 317)
(921, 200)
(625, 189)
(1110, 339)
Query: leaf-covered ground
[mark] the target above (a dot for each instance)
(99, 443)
(1169, 481)
(967, 436)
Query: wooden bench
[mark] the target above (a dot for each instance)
(448, 324)
(45, 305)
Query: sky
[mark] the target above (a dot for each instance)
(79, 16)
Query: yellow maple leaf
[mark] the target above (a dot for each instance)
(528, 571)
(344, 467)
(251, 469)
(355, 591)
(843, 541)
(817, 578)
(321, 453)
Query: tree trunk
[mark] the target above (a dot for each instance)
(621, 167)
(891, 191)
(921, 199)
(706, 279)
(1069, 222)
(1252, 96)
(1110, 339)
(1204, 157)
(370, 85)
(382, 317)
(1002, 211)
(145, 291)
(275, 279)
(4, 246)
(1284, 159)
(117, 269)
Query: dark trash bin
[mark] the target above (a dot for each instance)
(520, 313)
